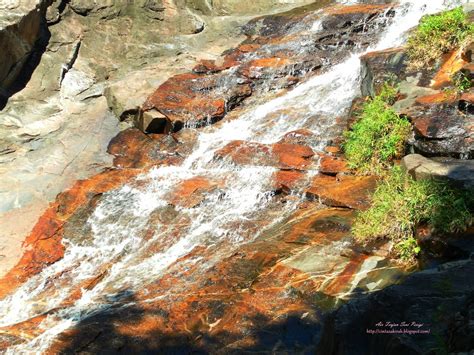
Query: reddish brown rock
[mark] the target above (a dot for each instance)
(468, 97)
(452, 63)
(191, 192)
(344, 191)
(226, 306)
(332, 150)
(438, 98)
(288, 180)
(256, 67)
(293, 156)
(281, 155)
(196, 99)
(332, 165)
(357, 9)
(442, 126)
(44, 244)
(134, 149)
(271, 57)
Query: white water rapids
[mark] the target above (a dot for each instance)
(117, 225)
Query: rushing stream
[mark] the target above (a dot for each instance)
(222, 220)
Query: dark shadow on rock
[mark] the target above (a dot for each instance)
(31, 64)
(102, 333)
(431, 312)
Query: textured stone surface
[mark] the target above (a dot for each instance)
(271, 58)
(459, 172)
(22, 23)
(343, 191)
(438, 300)
(56, 126)
(281, 155)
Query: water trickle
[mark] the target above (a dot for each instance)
(231, 214)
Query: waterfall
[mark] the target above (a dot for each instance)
(119, 221)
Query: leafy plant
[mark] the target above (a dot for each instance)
(408, 249)
(378, 136)
(438, 34)
(400, 203)
(461, 81)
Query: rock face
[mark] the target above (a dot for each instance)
(284, 156)
(435, 305)
(271, 58)
(442, 119)
(441, 128)
(192, 99)
(343, 191)
(22, 24)
(242, 250)
(58, 121)
(459, 172)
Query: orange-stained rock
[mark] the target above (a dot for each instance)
(196, 100)
(43, 246)
(344, 191)
(293, 156)
(452, 63)
(246, 153)
(354, 9)
(332, 165)
(332, 150)
(246, 292)
(468, 97)
(339, 283)
(288, 180)
(132, 148)
(256, 68)
(438, 98)
(207, 67)
(223, 297)
(271, 58)
(281, 155)
(299, 136)
(191, 192)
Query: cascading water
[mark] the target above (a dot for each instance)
(116, 245)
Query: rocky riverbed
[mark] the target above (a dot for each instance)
(204, 202)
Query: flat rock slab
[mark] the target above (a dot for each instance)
(460, 172)
(279, 155)
(332, 165)
(343, 191)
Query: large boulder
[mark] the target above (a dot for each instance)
(459, 172)
(441, 128)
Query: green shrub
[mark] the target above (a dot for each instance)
(407, 249)
(438, 34)
(461, 82)
(378, 136)
(400, 203)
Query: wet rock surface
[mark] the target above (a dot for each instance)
(271, 58)
(162, 253)
(73, 82)
(343, 191)
(268, 298)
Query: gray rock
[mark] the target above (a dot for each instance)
(439, 301)
(460, 172)
(21, 26)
